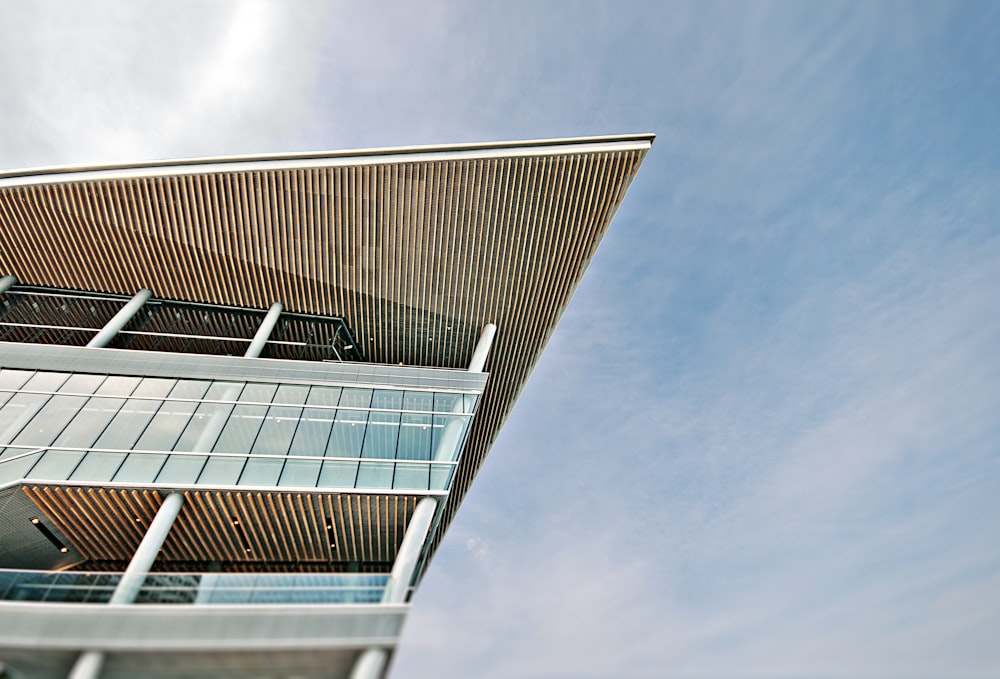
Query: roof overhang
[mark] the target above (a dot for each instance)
(417, 247)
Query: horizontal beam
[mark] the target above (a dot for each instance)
(76, 627)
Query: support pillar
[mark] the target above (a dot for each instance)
(128, 587)
(482, 351)
(409, 551)
(124, 315)
(451, 437)
(264, 331)
(371, 663)
(87, 666)
(89, 663)
(6, 283)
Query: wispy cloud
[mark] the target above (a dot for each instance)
(101, 81)
(763, 441)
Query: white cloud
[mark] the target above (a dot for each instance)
(103, 81)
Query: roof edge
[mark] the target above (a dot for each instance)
(250, 162)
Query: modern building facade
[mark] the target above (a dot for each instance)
(241, 399)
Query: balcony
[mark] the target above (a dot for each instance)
(196, 588)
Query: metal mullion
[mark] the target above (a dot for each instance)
(98, 437)
(33, 415)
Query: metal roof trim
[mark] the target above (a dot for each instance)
(293, 161)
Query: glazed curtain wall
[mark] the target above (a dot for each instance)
(141, 430)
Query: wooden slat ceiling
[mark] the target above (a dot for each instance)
(231, 526)
(417, 249)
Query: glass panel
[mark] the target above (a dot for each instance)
(241, 429)
(166, 426)
(98, 466)
(414, 437)
(128, 424)
(224, 391)
(441, 476)
(205, 427)
(324, 396)
(381, 435)
(277, 431)
(82, 384)
(17, 412)
(291, 394)
(470, 403)
(418, 400)
(89, 422)
(300, 473)
(411, 476)
(222, 470)
(45, 381)
(258, 393)
(56, 465)
(154, 387)
(448, 434)
(13, 379)
(338, 474)
(140, 468)
(50, 420)
(390, 399)
(181, 469)
(189, 389)
(375, 475)
(261, 472)
(447, 403)
(348, 434)
(13, 470)
(356, 398)
(313, 432)
(116, 385)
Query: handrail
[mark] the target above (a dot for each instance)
(91, 587)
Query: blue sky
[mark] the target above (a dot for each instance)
(764, 441)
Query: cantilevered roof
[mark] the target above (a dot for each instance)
(417, 247)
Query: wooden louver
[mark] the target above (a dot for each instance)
(417, 248)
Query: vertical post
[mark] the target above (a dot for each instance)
(6, 283)
(89, 663)
(124, 315)
(451, 437)
(145, 555)
(482, 348)
(409, 551)
(264, 331)
(371, 663)
(87, 666)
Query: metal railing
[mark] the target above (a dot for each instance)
(196, 588)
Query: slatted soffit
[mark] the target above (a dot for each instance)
(231, 526)
(418, 248)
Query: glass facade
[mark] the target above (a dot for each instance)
(57, 426)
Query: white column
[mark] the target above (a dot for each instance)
(216, 422)
(409, 551)
(264, 331)
(451, 437)
(87, 666)
(145, 555)
(482, 351)
(371, 663)
(89, 663)
(124, 315)
(6, 282)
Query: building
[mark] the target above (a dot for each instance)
(241, 399)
